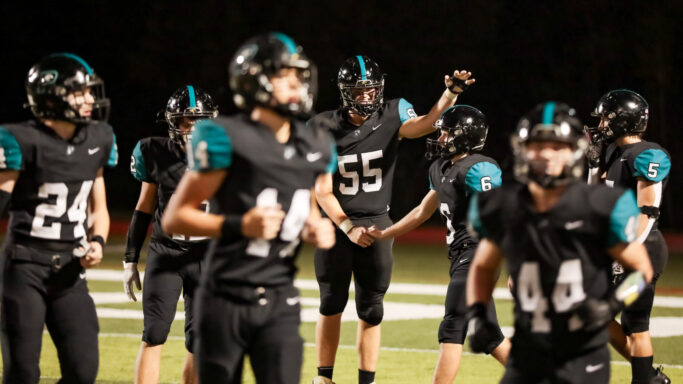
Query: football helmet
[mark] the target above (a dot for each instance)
(360, 73)
(549, 121)
(52, 86)
(262, 57)
(626, 112)
(190, 102)
(465, 129)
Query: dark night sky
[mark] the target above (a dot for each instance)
(521, 53)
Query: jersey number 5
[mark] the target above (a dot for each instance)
(367, 172)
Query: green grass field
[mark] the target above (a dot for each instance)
(409, 346)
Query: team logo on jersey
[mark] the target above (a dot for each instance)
(289, 152)
(356, 132)
(69, 149)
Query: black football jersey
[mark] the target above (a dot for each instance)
(162, 161)
(454, 184)
(556, 258)
(50, 197)
(260, 171)
(367, 156)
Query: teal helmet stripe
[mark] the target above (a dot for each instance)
(548, 112)
(361, 62)
(287, 41)
(190, 92)
(74, 57)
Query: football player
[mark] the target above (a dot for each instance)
(558, 236)
(367, 130)
(173, 261)
(260, 168)
(457, 174)
(51, 178)
(643, 167)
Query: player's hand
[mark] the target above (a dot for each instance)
(376, 233)
(511, 283)
(93, 257)
(482, 333)
(595, 146)
(130, 276)
(595, 313)
(359, 235)
(459, 82)
(262, 222)
(319, 231)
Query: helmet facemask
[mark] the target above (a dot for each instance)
(542, 170)
(352, 96)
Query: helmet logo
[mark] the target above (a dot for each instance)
(48, 77)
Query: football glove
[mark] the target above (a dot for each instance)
(130, 275)
(481, 332)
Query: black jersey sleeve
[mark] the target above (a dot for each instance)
(485, 216)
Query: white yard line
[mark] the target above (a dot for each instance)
(389, 349)
(394, 288)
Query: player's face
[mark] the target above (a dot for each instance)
(548, 157)
(287, 86)
(82, 101)
(186, 125)
(444, 137)
(364, 95)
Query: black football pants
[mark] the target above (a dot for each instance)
(36, 295)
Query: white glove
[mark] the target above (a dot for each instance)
(130, 275)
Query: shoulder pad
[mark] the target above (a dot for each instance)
(10, 151)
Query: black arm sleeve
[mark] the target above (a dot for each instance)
(136, 235)
(5, 198)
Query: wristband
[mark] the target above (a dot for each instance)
(98, 239)
(231, 227)
(346, 225)
(450, 95)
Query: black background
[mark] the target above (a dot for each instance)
(521, 53)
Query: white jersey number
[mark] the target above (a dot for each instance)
(204, 207)
(368, 172)
(291, 225)
(76, 213)
(568, 291)
(443, 208)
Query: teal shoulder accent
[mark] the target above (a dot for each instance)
(652, 164)
(473, 218)
(483, 176)
(211, 147)
(332, 166)
(10, 152)
(431, 185)
(114, 153)
(405, 110)
(138, 168)
(623, 221)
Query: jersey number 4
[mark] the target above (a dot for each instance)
(76, 213)
(291, 225)
(365, 158)
(568, 291)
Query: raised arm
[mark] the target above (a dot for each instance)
(423, 125)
